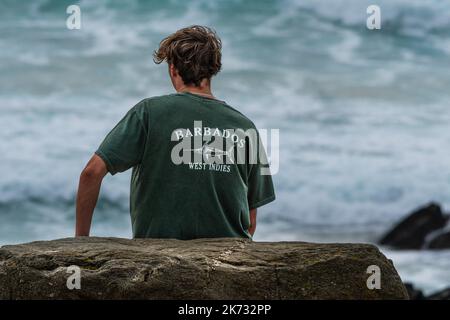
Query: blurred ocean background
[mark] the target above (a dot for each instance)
(363, 115)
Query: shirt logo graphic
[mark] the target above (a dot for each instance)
(209, 152)
(217, 149)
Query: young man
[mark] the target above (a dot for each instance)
(189, 177)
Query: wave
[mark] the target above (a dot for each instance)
(408, 17)
(111, 21)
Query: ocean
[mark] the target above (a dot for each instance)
(363, 114)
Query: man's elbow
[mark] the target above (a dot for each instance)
(91, 174)
(94, 170)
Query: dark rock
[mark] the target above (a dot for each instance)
(440, 295)
(114, 268)
(411, 232)
(440, 241)
(414, 293)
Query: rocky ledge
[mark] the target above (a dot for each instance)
(112, 268)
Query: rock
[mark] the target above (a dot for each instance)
(413, 293)
(440, 295)
(113, 268)
(440, 241)
(412, 231)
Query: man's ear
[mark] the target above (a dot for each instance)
(172, 70)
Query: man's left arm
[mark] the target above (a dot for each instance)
(88, 190)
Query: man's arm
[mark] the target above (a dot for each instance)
(88, 189)
(252, 227)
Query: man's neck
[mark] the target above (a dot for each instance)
(204, 89)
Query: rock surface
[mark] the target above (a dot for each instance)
(417, 294)
(411, 232)
(413, 292)
(440, 295)
(440, 241)
(113, 268)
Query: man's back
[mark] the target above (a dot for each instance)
(199, 169)
(182, 187)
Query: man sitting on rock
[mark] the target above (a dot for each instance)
(196, 173)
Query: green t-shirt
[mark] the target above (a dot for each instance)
(185, 188)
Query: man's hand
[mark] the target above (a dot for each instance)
(88, 189)
(252, 227)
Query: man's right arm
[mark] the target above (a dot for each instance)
(260, 186)
(252, 227)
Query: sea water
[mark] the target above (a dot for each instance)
(363, 114)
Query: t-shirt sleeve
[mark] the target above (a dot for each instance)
(260, 185)
(124, 146)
